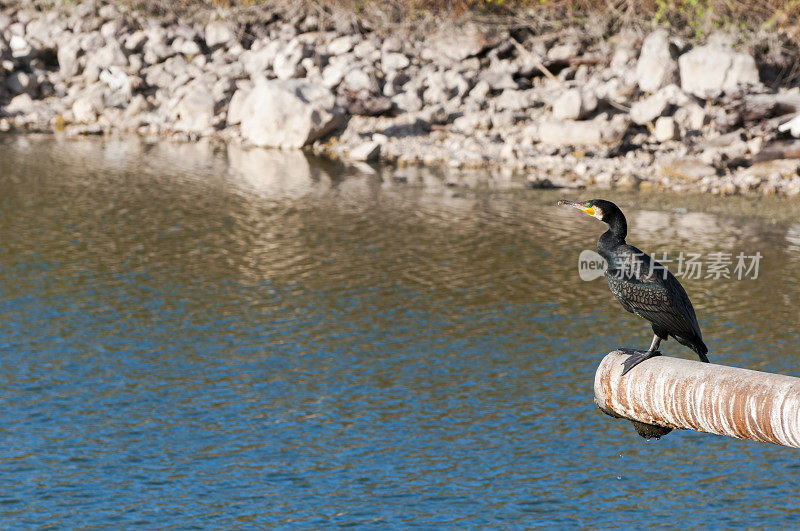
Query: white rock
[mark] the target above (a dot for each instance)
(334, 73)
(84, 110)
(368, 151)
(236, 107)
(137, 105)
(195, 112)
(587, 132)
(675, 96)
(287, 61)
(457, 83)
(22, 104)
(648, 109)
(67, 55)
(219, 32)
(157, 53)
(256, 62)
(90, 42)
(665, 129)
(564, 51)
(41, 31)
(288, 114)
(135, 41)
(119, 83)
(222, 88)
(568, 106)
(502, 119)
(515, 100)
(498, 80)
(689, 169)
(186, 46)
(457, 45)
(691, 116)
(408, 101)
(437, 91)
(588, 101)
(156, 34)
(471, 122)
(656, 67)
(570, 133)
(359, 79)
(392, 82)
(622, 56)
(109, 55)
(793, 126)
(392, 44)
(530, 133)
(341, 45)
(394, 61)
(366, 49)
(708, 70)
(111, 29)
(19, 46)
(481, 90)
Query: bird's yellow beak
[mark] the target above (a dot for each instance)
(580, 206)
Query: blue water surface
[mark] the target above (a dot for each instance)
(185, 349)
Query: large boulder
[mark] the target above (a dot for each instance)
(289, 113)
(196, 112)
(709, 70)
(656, 67)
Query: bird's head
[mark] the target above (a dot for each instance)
(600, 208)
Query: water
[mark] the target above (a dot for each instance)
(195, 338)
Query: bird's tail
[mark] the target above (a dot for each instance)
(697, 345)
(701, 350)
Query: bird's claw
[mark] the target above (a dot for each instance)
(635, 357)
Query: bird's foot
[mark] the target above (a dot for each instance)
(635, 357)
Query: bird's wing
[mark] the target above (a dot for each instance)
(653, 293)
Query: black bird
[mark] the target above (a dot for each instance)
(643, 286)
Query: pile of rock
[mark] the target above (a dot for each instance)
(656, 112)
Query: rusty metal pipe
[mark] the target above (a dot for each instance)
(674, 393)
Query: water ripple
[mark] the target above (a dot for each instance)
(210, 338)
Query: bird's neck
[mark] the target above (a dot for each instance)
(612, 238)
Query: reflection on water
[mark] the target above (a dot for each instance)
(244, 338)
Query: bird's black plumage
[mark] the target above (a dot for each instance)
(643, 286)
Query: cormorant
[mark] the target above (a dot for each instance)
(643, 286)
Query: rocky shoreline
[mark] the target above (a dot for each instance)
(558, 110)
